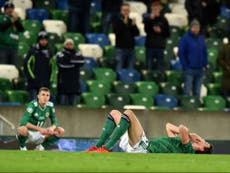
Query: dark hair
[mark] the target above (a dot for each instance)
(44, 89)
(156, 3)
(125, 4)
(207, 150)
(8, 4)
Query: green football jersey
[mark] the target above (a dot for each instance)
(169, 145)
(37, 115)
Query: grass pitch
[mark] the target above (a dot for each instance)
(57, 161)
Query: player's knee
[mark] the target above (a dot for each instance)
(22, 130)
(129, 113)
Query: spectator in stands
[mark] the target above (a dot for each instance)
(193, 57)
(69, 62)
(110, 11)
(10, 26)
(38, 65)
(125, 30)
(157, 30)
(206, 11)
(32, 130)
(224, 62)
(79, 13)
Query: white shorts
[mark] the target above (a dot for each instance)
(35, 137)
(139, 147)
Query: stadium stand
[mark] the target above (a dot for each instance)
(124, 87)
(37, 14)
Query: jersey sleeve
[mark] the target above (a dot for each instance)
(53, 118)
(187, 148)
(27, 114)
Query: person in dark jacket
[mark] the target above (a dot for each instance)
(110, 11)
(125, 30)
(38, 65)
(10, 26)
(224, 61)
(206, 11)
(157, 29)
(69, 62)
(193, 57)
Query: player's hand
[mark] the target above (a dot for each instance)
(14, 16)
(50, 131)
(157, 29)
(43, 131)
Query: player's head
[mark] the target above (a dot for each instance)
(43, 38)
(8, 7)
(202, 147)
(43, 95)
(125, 9)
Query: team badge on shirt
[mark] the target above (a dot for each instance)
(47, 114)
(30, 110)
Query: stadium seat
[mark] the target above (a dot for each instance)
(55, 26)
(90, 62)
(93, 100)
(117, 101)
(177, 8)
(8, 71)
(213, 88)
(96, 86)
(37, 14)
(140, 56)
(142, 99)
(21, 12)
(106, 62)
(208, 77)
(112, 38)
(175, 32)
(155, 75)
(174, 77)
(105, 74)
(78, 38)
(109, 51)
(137, 16)
(25, 4)
(28, 37)
(170, 88)
(97, 38)
(175, 64)
(212, 57)
(19, 83)
(215, 43)
(128, 75)
(18, 96)
(124, 87)
(5, 84)
(83, 86)
(86, 73)
(62, 4)
(165, 100)
(91, 50)
(190, 103)
(213, 102)
(217, 77)
(3, 97)
(23, 48)
(2, 2)
(140, 40)
(178, 20)
(33, 26)
(95, 22)
(59, 15)
(147, 87)
(95, 6)
(138, 7)
(54, 38)
(45, 4)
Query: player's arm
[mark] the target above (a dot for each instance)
(171, 130)
(33, 127)
(184, 134)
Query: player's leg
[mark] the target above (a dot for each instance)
(135, 130)
(22, 137)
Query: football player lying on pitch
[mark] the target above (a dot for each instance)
(31, 129)
(127, 128)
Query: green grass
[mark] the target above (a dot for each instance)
(57, 161)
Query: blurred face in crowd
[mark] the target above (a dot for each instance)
(43, 42)
(195, 29)
(156, 8)
(9, 10)
(125, 10)
(69, 45)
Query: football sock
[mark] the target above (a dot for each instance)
(49, 141)
(22, 140)
(107, 130)
(119, 131)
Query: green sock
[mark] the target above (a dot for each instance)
(106, 131)
(118, 132)
(49, 141)
(22, 140)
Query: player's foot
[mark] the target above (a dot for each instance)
(92, 148)
(23, 148)
(40, 148)
(102, 149)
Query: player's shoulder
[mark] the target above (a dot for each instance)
(33, 103)
(50, 104)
